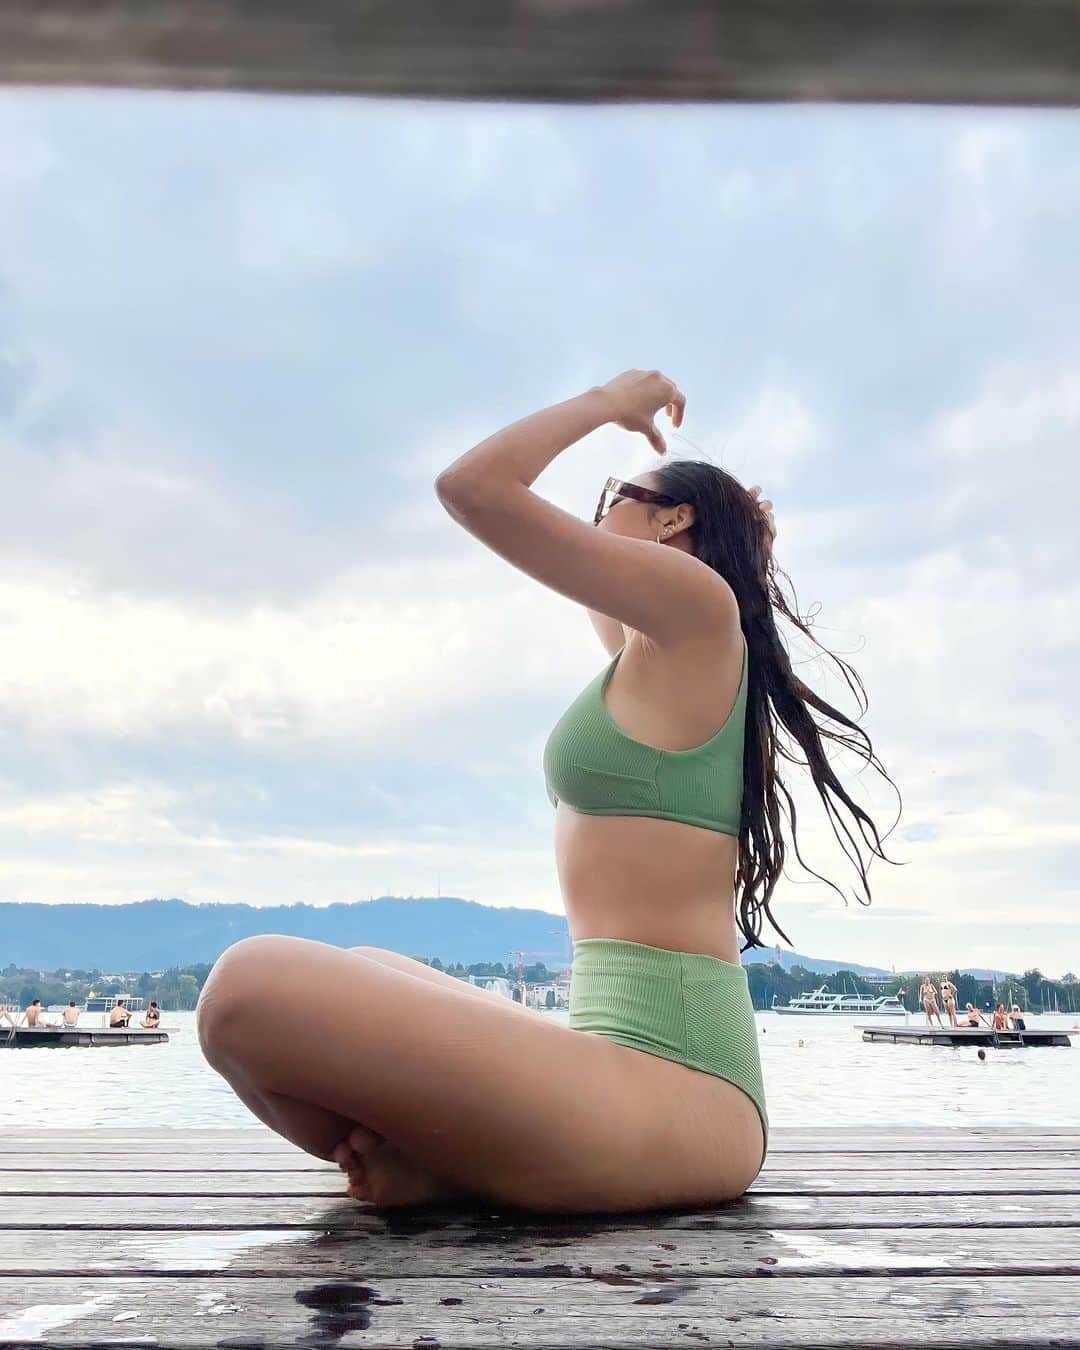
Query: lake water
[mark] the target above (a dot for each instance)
(833, 1078)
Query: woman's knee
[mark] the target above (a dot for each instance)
(235, 996)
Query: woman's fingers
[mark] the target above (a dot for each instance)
(677, 407)
(655, 439)
(766, 507)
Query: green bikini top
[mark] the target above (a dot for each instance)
(597, 769)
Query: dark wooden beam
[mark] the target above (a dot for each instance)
(1020, 52)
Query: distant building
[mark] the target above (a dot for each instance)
(494, 984)
(536, 995)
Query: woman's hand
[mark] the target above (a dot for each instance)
(634, 398)
(766, 508)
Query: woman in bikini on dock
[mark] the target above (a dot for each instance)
(669, 824)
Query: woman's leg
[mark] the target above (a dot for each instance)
(319, 1131)
(366, 1155)
(438, 977)
(495, 1100)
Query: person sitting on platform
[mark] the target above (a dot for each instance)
(33, 1014)
(153, 1017)
(120, 1016)
(1016, 1018)
(71, 1014)
(972, 1015)
(1001, 1019)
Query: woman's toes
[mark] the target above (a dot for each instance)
(358, 1182)
(343, 1155)
(392, 1179)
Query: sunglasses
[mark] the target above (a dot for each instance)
(615, 491)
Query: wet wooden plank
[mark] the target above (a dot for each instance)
(140, 1160)
(1000, 1210)
(450, 1251)
(1060, 1180)
(828, 1138)
(948, 51)
(767, 1314)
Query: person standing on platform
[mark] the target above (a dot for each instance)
(948, 997)
(928, 998)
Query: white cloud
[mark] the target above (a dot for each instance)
(375, 657)
(252, 656)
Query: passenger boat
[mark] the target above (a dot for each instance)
(822, 1002)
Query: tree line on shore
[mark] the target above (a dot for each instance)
(179, 987)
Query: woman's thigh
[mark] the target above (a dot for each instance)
(510, 1105)
(439, 977)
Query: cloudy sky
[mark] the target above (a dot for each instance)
(247, 655)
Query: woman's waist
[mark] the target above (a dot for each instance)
(701, 924)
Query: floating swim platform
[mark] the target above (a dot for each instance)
(23, 1038)
(1001, 1040)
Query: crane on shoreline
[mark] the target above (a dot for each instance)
(520, 954)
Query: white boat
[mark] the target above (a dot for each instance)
(822, 1002)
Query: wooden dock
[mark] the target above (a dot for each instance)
(886, 1237)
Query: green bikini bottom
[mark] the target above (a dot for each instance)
(684, 1006)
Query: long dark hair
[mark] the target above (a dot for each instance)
(730, 535)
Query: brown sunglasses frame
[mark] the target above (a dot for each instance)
(624, 489)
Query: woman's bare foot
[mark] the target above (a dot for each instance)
(380, 1174)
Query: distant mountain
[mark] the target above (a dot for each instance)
(157, 934)
(819, 965)
(825, 967)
